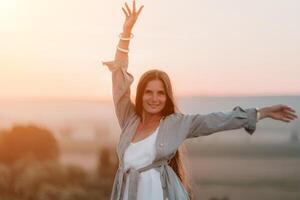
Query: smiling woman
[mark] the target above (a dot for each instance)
(156, 167)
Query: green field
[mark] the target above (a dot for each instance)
(241, 171)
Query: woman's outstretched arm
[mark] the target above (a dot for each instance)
(131, 16)
(121, 79)
(238, 118)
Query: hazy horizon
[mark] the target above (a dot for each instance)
(109, 99)
(90, 116)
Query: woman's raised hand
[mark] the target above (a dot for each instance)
(278, 112)
(131, 15)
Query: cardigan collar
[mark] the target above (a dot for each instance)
(126, 140)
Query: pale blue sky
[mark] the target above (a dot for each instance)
(54, 48)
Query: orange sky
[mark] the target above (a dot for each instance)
(53, 49)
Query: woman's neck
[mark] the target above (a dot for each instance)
(149, 118)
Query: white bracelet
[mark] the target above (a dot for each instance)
(126, 39)
(122, 50)
(257, 114)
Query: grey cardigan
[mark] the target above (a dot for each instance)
(173, 130)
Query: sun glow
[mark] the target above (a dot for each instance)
(8, 11)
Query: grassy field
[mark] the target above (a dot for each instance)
(261, 172)
(236, 171)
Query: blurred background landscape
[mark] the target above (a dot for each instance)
(66, 150)
(58, 129)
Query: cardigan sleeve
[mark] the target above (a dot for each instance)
(121, 81)
(201, 125)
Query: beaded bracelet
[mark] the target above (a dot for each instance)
(257, 114)
(126, 39)
(122, 50)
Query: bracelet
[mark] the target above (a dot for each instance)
(257, 114)
(122, 50)
(126, 39)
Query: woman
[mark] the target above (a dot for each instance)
(149, 162)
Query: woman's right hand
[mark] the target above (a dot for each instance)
(131, 16)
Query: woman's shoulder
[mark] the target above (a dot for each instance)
(174, 116)
(178, 116)
(177, 126)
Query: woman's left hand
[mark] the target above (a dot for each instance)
(278, 112)
(131, 15)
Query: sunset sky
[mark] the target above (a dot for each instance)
(54, 48)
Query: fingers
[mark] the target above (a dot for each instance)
(128, 9)
(140, 9)
(290, 112)
(286, 107)
(290, 116)
(133, 6)
(285, 120)
(126, 14)
(290, 109)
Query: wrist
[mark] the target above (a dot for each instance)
(126, 31)
(263, 113)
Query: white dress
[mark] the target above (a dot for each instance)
(138, 155)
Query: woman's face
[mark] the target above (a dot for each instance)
(154, 97)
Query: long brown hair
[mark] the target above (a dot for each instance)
(170, 107)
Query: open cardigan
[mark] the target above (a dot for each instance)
(174, 129)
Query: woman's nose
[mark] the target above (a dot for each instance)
(154, 97)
